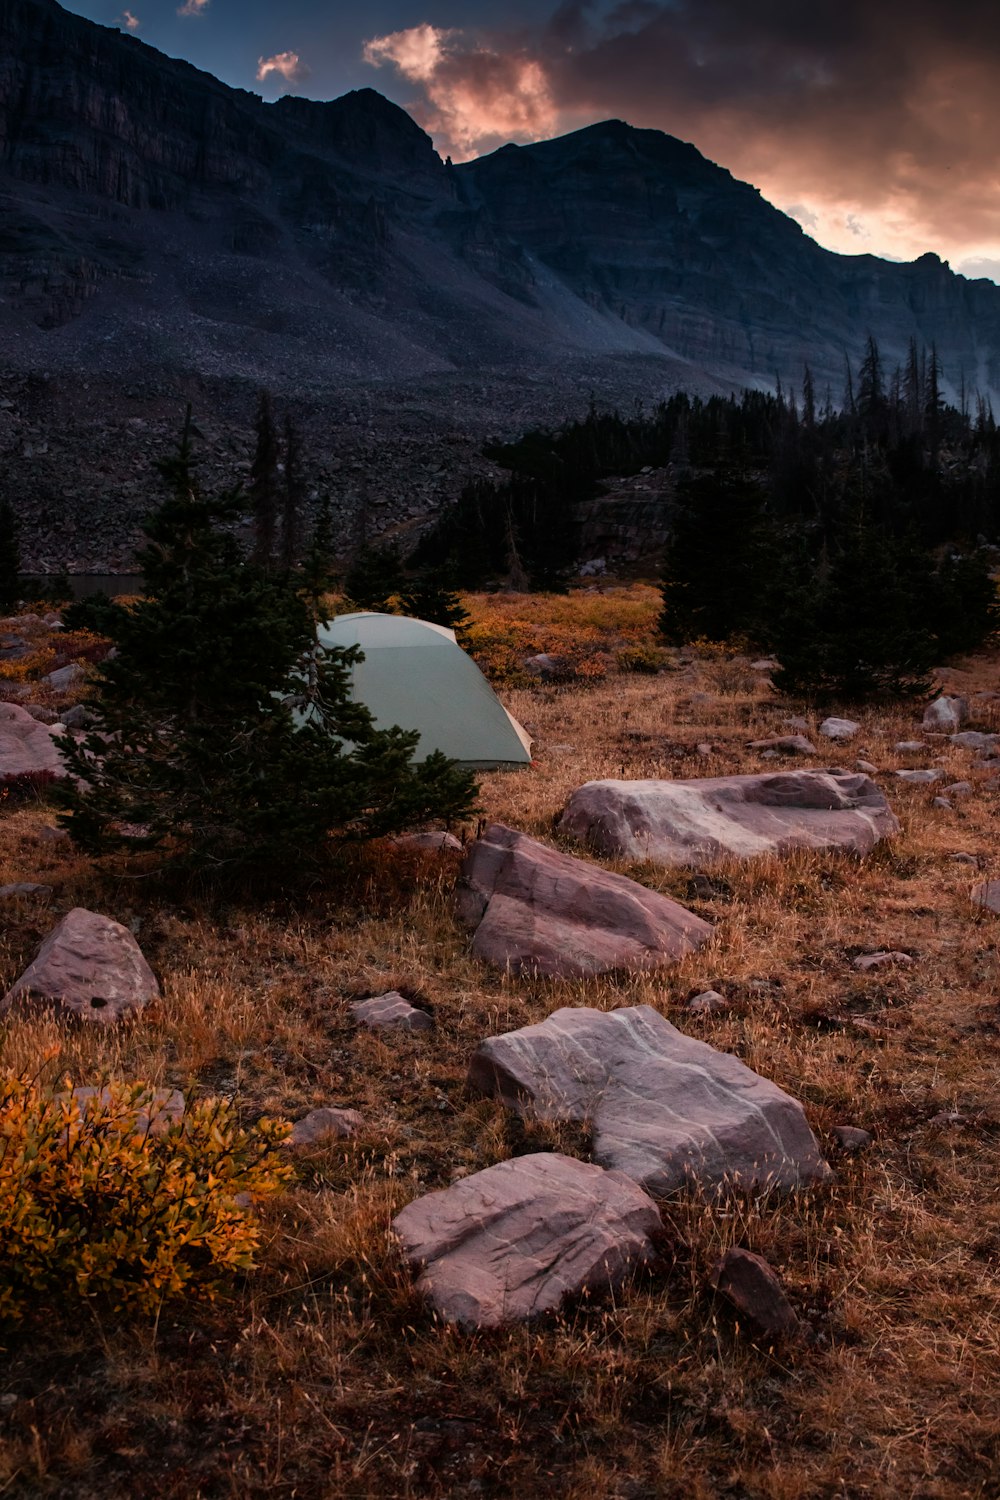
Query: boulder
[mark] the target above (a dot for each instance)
(63, 679)
(514, 1241)
(661, 1106)
(325, 1125)
(987, 895)
(391, 1011)
(972, 739)
(785, 744)
(755, 1294)
(26, 746)
(947, 714)
(694, 822)
(537, 911)
(88, 967)
(839, 729)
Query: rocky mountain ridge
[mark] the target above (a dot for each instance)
(165, 238)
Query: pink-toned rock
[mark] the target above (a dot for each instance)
(661, 1106)
(755, 1294)
(920, 778)
(391, 1010)
(325, 1125)
(26, 746)
(514, 1241)
(865, 961)
(537, 911)
(987, 894)
(851, 1137)
(695, 822)
(89, 967)
(708, 1003)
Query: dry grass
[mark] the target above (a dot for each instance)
(325, 1376)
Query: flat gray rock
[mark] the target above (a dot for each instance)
(865, 961)
(695, 822)
(839, 729)
(89, 967)
(26, 746)
(514, 1241)
(391, 1011)
(987, 895)
(972, 739)
(663, 1107)
(919, 778)
(538, 911)
(785, 744)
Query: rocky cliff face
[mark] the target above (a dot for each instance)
(165, 238)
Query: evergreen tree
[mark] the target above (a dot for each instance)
(264, 483)
(855, 628)
(224, 736)
(429, 597)
(292, 495)
(10, 559)
(317, 575)
(375, 578)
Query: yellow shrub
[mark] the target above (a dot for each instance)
(108, 1198)
(584, 631)
(28, 667)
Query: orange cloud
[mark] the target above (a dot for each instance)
(129, 21)
(193, 8)
(288, 64)
(476, 96)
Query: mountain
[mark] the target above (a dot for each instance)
(164, 237)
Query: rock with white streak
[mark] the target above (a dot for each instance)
(660, 1105)
(536, 910)
(88, 967)
(865, 961)
(514, 1241)
(695, 822)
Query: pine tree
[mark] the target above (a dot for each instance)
(430, 597)
(224, 736)
(291, 510)
(10, 559)
(317, 576)
(264, 483)
(375, 578)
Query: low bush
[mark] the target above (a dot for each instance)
(106, 1197)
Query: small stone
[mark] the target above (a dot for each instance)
(391, 1010)
(764, 664)
(867, 767)
(438, 841)
(958, 789)
(948, 1117)
(39, 712)
(947, 713)
(709, 1002)
(755, 1294)
(325, 1124)
(942, 803)
(76, 717)
(851, 1137)
(909, 747)
(64, 678)
(23, 888)
(866, 961)
(987, 895)
(785, 744)
(703, 748)
(919, 778)
(962, 858)
(971, 739)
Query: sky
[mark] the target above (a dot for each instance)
(872, 122)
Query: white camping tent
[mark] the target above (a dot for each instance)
(416, 675)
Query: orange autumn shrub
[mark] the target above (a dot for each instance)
(589, 633)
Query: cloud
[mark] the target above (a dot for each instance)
(128, 20)
(875, 114)
(288, 64)
(476, 96)
(193, 8)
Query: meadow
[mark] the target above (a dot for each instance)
(322, 1374)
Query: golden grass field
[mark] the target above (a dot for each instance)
(323, 1375)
